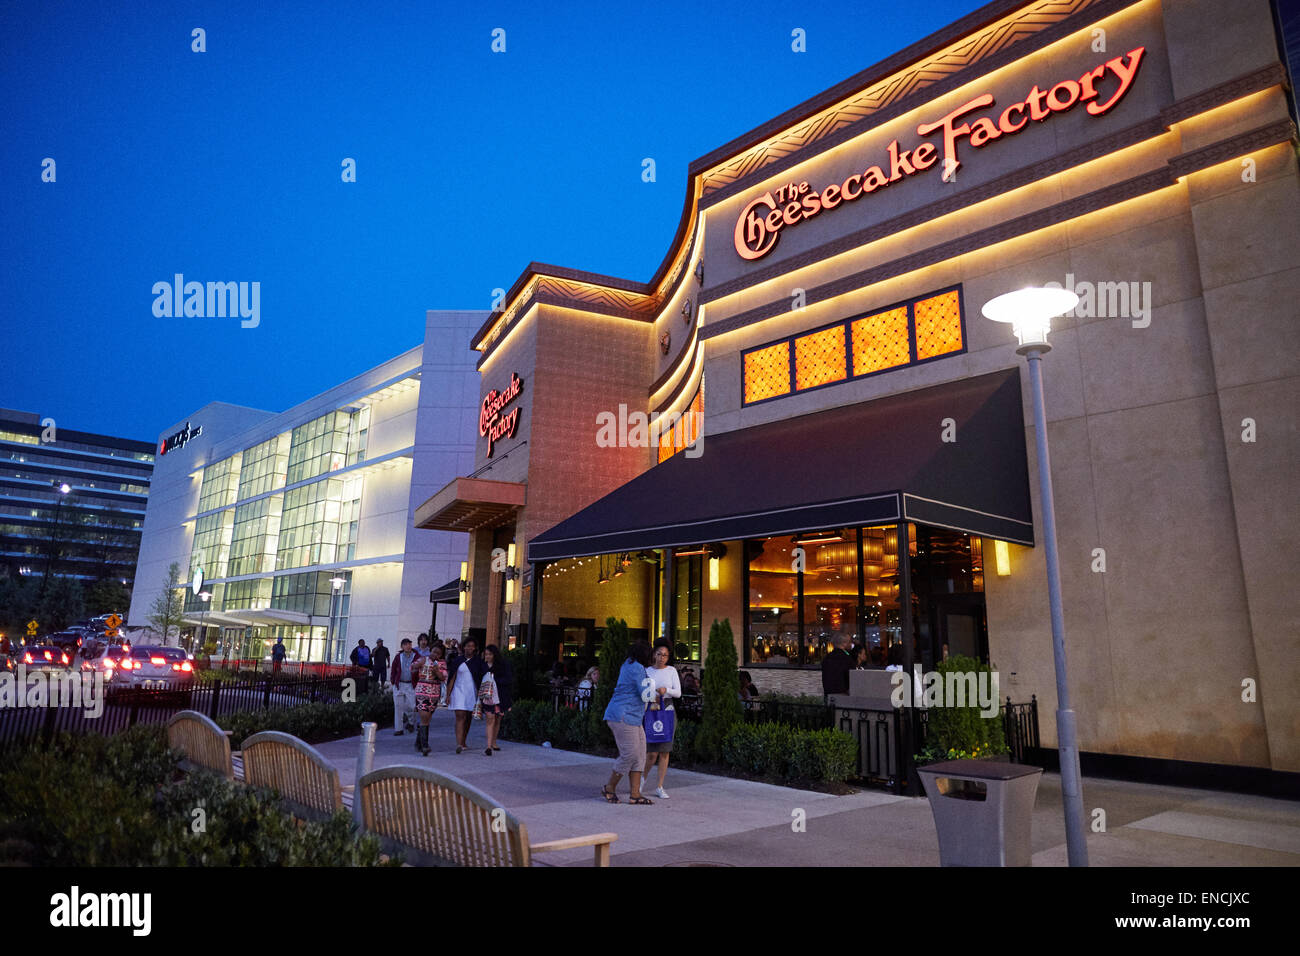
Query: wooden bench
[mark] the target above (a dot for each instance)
(205, 745)
(437, 819)
(306, 781)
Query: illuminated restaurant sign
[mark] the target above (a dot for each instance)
(180, 439)
(760, 223)
(493, 424)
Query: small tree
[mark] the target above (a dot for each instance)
(614, 644)
(107, 596)
(169, 606)
(720, 690)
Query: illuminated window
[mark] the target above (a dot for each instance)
(880, 341)
(877, 342)
(820, 358)
(767, 372)
(685, 430)
(938, 325)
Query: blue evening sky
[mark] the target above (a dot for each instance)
(225, 166)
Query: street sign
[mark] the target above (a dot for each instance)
(112, 622)
(32, 628)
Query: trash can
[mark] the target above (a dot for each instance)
(983, 811)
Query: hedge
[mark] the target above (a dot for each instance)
(95, 801)
(767, 749)
(789, 753)
(312, 722)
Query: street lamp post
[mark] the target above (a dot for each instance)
(336, 586)
(1030, 312)
(205, 597)
(63, 489)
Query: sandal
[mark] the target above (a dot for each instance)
(609, 795)
(642, 801)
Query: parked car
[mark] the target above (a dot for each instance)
(46, 656)
(161, 668)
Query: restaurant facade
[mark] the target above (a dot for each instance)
(803, 423)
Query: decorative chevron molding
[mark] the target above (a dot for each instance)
(956, 58)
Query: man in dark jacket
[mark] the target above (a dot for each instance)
(836, 666)
(379, 660)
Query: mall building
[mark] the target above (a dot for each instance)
(803, 423)
(297, 524)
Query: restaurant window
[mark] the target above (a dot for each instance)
(688, 580)
(907, 333)
(805, 590)
(830, 591)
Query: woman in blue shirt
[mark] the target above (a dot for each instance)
(623, 715)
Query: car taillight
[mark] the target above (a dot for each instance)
(27, 658)
(78, 642)
(49, 655)
(108, 664)
(158, 661)
(65, 658)
(187, 667)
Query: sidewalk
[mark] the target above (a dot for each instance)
(712, 820)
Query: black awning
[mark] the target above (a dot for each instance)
(871, 463)
(449, 593)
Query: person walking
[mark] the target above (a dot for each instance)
(623, 715)
(278, 654)
(403, 678)
(360, 656)
(667, 688)
(379, 661)
(495, 693)
(422, 645)
(430, 674)
(465, 674)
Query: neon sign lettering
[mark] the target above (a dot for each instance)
(759, 225)
(491, 423)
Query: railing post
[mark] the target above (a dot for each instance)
(47, 730)
(266, 693)
(216, 694)
(365, 763)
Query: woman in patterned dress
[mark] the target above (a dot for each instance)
(430, 675)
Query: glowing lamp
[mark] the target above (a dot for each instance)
(1002, 558)
(1030, 312)
(464, 585)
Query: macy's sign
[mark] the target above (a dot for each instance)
(760, 223)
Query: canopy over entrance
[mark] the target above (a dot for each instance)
(896, 458)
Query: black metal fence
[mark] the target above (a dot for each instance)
(124, 707)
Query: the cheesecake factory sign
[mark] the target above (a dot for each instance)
(760, 223)
(492, 424)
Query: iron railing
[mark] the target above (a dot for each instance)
(124, 707)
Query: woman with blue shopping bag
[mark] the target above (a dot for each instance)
(660, 720)
(627, 706)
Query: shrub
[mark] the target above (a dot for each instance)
(95, 801)
(789, 753)
(539, 722)
(721, 691)
(953, 732)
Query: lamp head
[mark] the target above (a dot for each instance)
(1030, 312)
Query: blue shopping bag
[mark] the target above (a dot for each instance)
(658, 725)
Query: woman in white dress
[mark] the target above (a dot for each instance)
(464, 673)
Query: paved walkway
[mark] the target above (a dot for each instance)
(712, 820)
